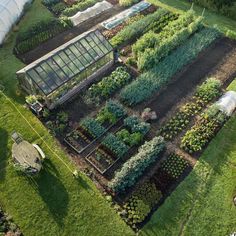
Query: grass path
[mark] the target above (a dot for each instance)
(54, 203)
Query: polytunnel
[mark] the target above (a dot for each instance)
(10, 11)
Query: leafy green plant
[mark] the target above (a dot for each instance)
(108, 85)
(205, 93)
(111, 112)
(153, 80)
(127, 3)
(139, 205)
(174, 165)
(136, 165)
(203, 131)
(163, 46)
(137, 28)
(113, 143)
(93, 127)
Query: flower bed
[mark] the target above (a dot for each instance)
(205, 93)
(153, 80)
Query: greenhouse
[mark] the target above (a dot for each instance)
(66, 70)
(10, 11)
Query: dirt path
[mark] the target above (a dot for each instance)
(64, 37)
(184, 82)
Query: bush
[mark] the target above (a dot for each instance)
(153, 80)
(136, 165)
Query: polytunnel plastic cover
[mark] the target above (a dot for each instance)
(227, 103)
(10, 11)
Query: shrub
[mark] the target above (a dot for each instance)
(136, 165)
(153, 80)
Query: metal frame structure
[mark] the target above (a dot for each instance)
(66, 63)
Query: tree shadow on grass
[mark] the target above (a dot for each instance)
(3, 153)
(52, 191)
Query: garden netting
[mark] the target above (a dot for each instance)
(93, 11)
(10, 11)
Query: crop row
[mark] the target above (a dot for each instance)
(148, 153)
(205, 93)
(166, 44)
(153, 80)
(204, 130)
(39, 33)
(137, 28)
(108, 85)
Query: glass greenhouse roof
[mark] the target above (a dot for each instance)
(64, 63)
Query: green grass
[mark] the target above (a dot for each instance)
(203, 203)
(211, 18)
(232, 86)
(54, 203)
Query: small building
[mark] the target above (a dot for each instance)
(68, 69)
(25, 156)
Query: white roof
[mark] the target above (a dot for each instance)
(95, 10)
(227, 103)
(10, 11)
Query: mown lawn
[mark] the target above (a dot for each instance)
(54, 203)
